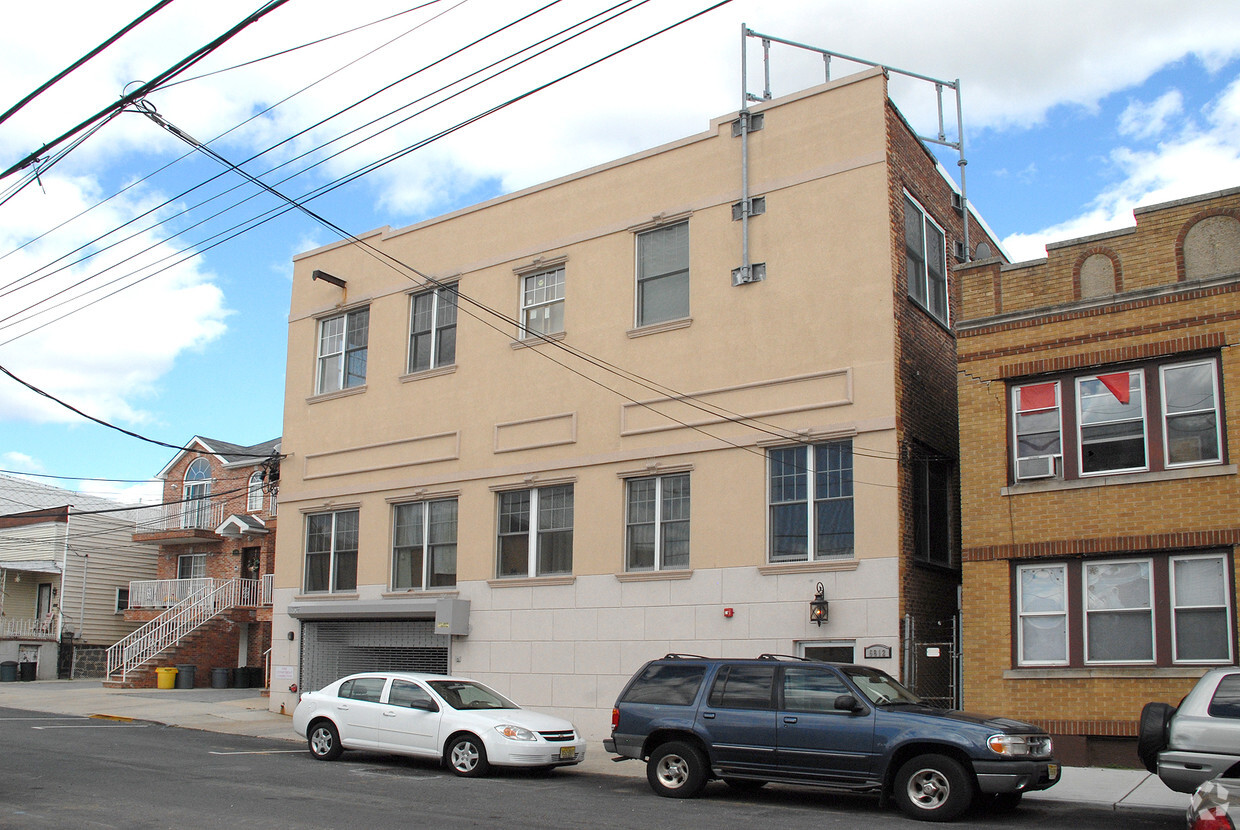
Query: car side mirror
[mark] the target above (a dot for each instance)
(847, 703)
(426, 705)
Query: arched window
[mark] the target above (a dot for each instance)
(195, 510)
(255, 501)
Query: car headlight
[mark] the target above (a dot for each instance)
(515, 733)
(1013, 746)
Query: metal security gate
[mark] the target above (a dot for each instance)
(932, 663)
(331, 649)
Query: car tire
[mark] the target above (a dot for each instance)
(1153, 732)
(676, 770)
(324, 740)
(933, 788)
(466, 756)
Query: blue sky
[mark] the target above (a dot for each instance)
(1074, 114)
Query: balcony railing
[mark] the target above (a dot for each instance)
(165, 593)
(41, 628)
(199, 514)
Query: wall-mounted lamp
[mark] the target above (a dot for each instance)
(291, 635)
(326, 277)
(818, 607)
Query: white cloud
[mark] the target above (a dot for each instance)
(21, 462)
(1141, 120)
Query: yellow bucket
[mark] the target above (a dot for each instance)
(165, 678)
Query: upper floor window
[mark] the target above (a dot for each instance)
(925, 250)
(254, 499)
(542, 303)
(663, 274)
(192, 566)
(536, 532)
(432, 329)
(657, 523)
(811, 502)
(1154, 417)
(331, 551)
(424, 545)
(195, 506)
(342, 350)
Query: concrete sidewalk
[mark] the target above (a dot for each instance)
(244, 712)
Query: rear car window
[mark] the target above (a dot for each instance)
(363, 688)
(1226, 700)
(743, 687)
(674, 685)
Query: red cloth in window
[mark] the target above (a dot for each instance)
(1118, 384)
(1038, 396)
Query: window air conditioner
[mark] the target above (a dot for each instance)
(1036, 466)
(960, 251)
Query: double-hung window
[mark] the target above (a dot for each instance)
(663, 274)
(1157, 609)
(331, 551)
(432, 329)
(535, 532)
(810, 498)
(1156, 416)
(925, 250)
(342, 350)
(657, 523)
(542, 303)
(254, 498)
(424, 545)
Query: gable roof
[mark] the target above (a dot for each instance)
(227, 454)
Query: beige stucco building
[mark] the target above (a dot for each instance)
(541, 440)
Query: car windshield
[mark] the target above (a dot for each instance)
(463, 694)
(880, 687)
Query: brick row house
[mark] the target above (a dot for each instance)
(1098, 390)
(543, 439)
(208, 607)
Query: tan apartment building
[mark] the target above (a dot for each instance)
(1098, 393)
(541, 440)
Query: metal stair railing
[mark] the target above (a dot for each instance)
(171, 626)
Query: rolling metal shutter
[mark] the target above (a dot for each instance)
(331, 649)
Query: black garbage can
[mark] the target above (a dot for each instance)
(29, 670)
(185, 675)
(219, 678)
(8, 671)
(241, 678)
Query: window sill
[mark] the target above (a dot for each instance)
(531, 581)
(659, 328)
(325, 595)
(1051, 485)
(653, 576)
(943, 324)
(1105, 673)
(428, 373)
(535, 340)
(809, 567)
(428, 593)
(339, 393)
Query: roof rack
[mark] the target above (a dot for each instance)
(784, 657)
(684, 657)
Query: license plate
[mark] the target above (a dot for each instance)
(1053, 771)
(567, 753)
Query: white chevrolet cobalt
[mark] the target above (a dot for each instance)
(467, 725)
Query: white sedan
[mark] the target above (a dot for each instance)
(467, 725)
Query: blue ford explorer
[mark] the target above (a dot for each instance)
(798, 721)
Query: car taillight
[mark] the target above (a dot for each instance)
(1211, 819)
(615, 719)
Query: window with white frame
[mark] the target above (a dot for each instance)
(424, 545)
(432, 328)
(535, 532)
(663, 274)
(810, 498)
(192, 566)
(342, 350)
(1154, 610)
(331, 551)
(1156, 416)
(925, 248)
(195, 504)
(542, 303)
(254, 499)
(657, 523)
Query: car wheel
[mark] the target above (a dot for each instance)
(1152, 735)
(467, 757)
(744, 785)
(324, 741)
(676, 770)
(933, 788)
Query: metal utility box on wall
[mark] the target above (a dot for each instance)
(452, 616)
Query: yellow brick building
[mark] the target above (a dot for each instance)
(1098, 393)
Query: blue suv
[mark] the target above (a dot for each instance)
(800, 721)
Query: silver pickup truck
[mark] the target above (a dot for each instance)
(1200, 740)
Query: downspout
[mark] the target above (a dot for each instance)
(744, 122)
